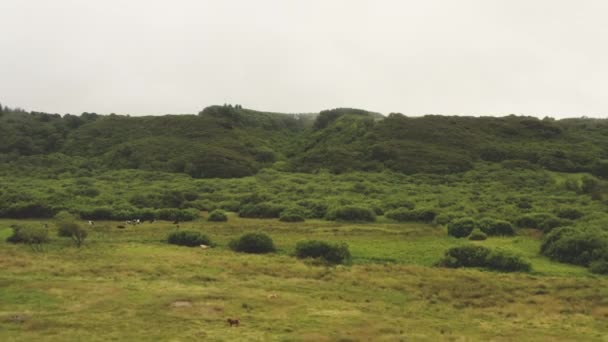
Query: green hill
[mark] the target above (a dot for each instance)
(230, 141)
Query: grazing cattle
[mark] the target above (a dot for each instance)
(233, 322)
(91, 223)
(204, 246)
(273, 296)
(120, 227)
(176, 222)
(45, 226)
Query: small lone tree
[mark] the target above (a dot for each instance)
(74, 231)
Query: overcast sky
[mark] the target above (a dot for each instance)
(466, 57)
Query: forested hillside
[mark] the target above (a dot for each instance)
(229, 141)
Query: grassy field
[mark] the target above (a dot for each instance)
(130, 285)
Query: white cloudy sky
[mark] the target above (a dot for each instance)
(473, 57)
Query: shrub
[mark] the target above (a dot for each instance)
(261, 210)
(72, 230)
(232, 205)
(506, 262)
(569, 213)
(102, 213)
(553, 222)
(293, 214)
(425, 215)
(313, 208)
(377, 209)
(461, 228)
(28, 235)
(172, 214)
(599, 266)
(188, 238)
(575, 246)
(465, 256)
(396, 203)
(353, 213)
(477, 235)
(217, 216)
(495, 227)
(479, 256)
(331, 253)
(65, 228)
(403, 215)
(145, 214)
(532, 220)
(64, 215)
(21, 210)
(445, 218)
(253, 243)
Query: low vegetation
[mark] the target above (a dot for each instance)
(479, 256)
(188, 238)
(493, 227)
(406, 214)
(352, 213)
(217, 215)
(332, 253)
(292, 214)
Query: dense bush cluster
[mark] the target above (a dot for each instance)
(257, 243)
(169, 214)
(405, 214)
(569, 213)
(576, 246)
(479, 256)
(261, 210)
(313, 208)
(353, 213)
(534, 220)
(599, 266)
(333, 253)
(188, 238)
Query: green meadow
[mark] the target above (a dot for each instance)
(129, 284)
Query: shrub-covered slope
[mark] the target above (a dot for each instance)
(229, 141)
